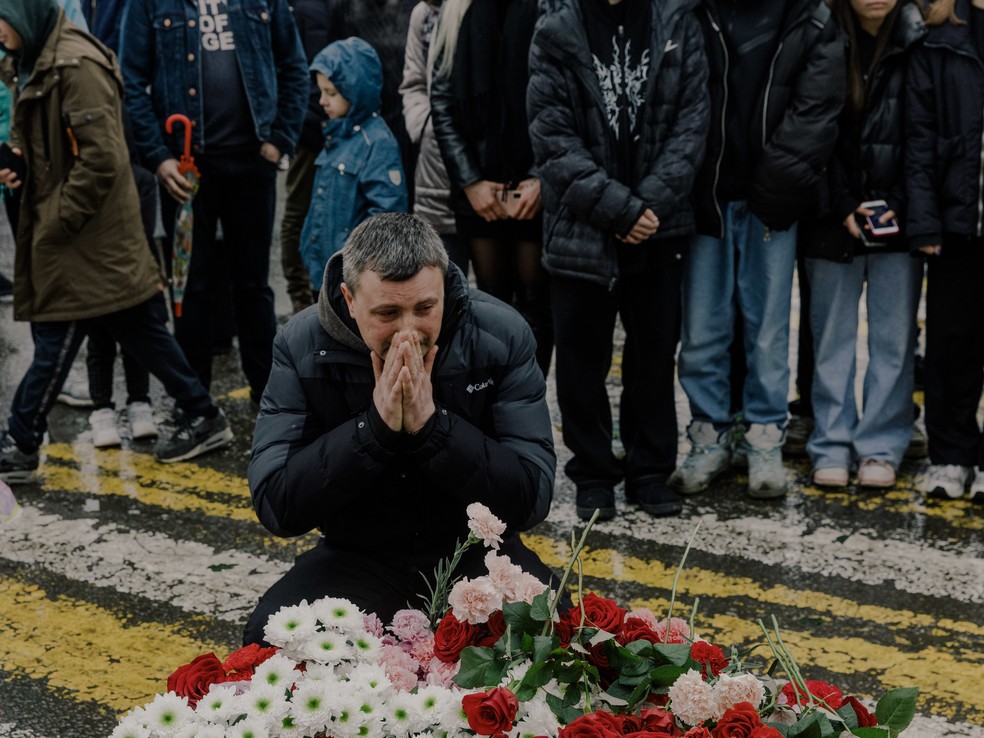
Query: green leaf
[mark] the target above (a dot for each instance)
(879, 732)
(807, 727)
(543, 647)
(539, 674)
(664, 676)
(517, 615)
(479, 668)
(540, 608)
(677, 654)
(565, 713)
(896, 709)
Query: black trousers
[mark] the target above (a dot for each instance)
(584, 322)
(377, 581)
(954, 367)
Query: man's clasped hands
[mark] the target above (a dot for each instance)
(404, 394)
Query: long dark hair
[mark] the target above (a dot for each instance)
(846, 19)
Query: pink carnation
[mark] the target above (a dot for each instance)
(400, 667)
(372, 624)
(422, 651)
(473, 600)
(441, 674)
(504, 575)
(645, 615)
(410, 625)
(528, 588)
(679, 631)
(485, 525)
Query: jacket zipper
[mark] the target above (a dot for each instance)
(765, 98)
(724, 108)
(980, 171)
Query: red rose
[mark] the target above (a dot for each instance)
(603, 613)
(699, 732)
(657, 720)
(764, 731)
(598, 657)
(193, 680)
(247, 658)
(865, 718)
(593, 725)
(493, 630)
(820, 690)
(738, 722)
(710, 657)
(564, 630)
(636, 629)
(452, 637)
(490, 712)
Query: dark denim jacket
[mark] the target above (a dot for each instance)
(160, 57)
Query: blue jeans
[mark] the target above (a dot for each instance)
(749, 271)
(883, 430)
(141, 331)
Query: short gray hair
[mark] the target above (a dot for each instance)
(394, 245)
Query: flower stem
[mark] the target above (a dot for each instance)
(575, 557)
(676, 578)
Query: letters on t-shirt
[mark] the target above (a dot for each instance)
(214, 20)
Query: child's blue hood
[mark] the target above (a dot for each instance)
(354, 68)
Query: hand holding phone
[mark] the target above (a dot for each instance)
(14, 162)
(874, 211)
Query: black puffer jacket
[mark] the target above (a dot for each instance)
(868, 161)
(317, 461)
(584, 206)
(944, 163)
(796, 128)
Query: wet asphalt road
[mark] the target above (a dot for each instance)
(120, 569)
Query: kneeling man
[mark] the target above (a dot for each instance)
(394, 403)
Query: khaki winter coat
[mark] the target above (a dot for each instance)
(81, 248)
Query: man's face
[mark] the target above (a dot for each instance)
(382, 308)
(10, 39)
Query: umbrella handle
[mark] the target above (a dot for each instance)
(183, 120)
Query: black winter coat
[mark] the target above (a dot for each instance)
(797, 126)
(944, 162)
(868, 160)
(574, 146)
(323, 458)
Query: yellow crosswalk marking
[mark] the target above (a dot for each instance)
(86, 650)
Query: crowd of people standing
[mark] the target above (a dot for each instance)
(668, 163)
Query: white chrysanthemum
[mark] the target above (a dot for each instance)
(404, 715)
(289, 727)
(692, 699)
(323, 672)
(454, 720)
(289, 624)
(325, 647)
(249, 728)
(276, 671)
(371, 678)
(168, 713)
(347, 715)
(132, 726)
(200, 729)
(371, 727)
(730, 690)
(433, 702)
(515, 674)
(334, 612)
(311, 705)
(366, 647)
(538, 719)
(265, 703)
(218, 705)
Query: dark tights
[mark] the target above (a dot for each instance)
(511, 271)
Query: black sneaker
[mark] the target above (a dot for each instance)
(596, 498)
(655, 498)
(6, 289)
(16, 467)
(192, 436)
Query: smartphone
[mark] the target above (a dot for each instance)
(509, 200)
(875, 227)
(10, 160)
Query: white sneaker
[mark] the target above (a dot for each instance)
(104, 430)
(75, 392)
(766, 474)
(709, 458)
(141, 417)
(945, 481)
(977, 488)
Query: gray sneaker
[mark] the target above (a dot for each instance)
(709, 458)
(16, 467)
(766, 475)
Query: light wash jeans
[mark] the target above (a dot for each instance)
(884, 428)
(750, 270)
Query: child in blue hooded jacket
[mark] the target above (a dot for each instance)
(359, 171)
